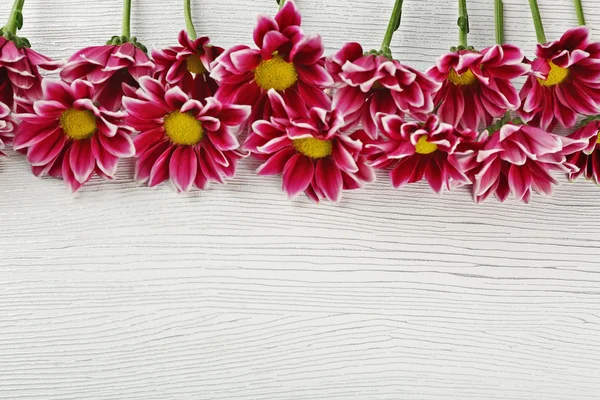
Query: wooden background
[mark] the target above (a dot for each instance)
(124, 292)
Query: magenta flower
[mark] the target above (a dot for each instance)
(416, 150)
(519, 160)
(565, 81)
(7, 124)
(184, 139)
(588, 159)
(370, 84)
(19, 74)
(108, 68)
(286, 60)
(68, 136)
(188, 65)
(477, 86)
(310, 150)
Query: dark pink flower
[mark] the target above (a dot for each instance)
(186, 140)
(519, 160)
(477, 86)
(108, 68)
(69, 137)
(188, 65)
(310, 150)
(417, 150)
(7, 124)
(286, 60)
(565, 81)
(588, 159)
(19, 74)
(370, 84)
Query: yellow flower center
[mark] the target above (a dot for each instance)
(468, 78)
(275, 73)
(78, 124)
(425, 147)
(194, 65)
(555, 76)
(598, 140)
(183, 128)
(313, 148)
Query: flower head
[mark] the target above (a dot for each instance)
(108, 68)
(19, 74)
(188, 65)
(184, 139)
(588, 159)
(286, 60)
(7, 124)
(370, 84)
(565, 81)
(417, 150)
(477, 86)
(310, 150)
(68, 136)
(519, 160)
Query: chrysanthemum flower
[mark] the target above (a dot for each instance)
(19, 74)
(519, 160)
(188, 65)
(588, 159)
(370, 84)
(68, 136)
(186, 140)
(565, 81)
(7, 124)
(286, 60)
(108, 68)
(477, 86)
(310, 150)
(417, 150)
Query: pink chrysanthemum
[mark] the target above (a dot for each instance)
(370, 84)
(19, 74)
(286, 60)
(7, 124)
(108, 68)
(477, 86)
(588, 159)
(519, 160)
(188, 65)
(310, 150)
(419, 150)
(68, 136)
(186, 140)
(565, 81)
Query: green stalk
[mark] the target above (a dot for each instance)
(537, 22)
(281, 3)
(580, 14)
(126, 24)
(499, 14)
(13, 19)
(393, 26)
(189, 24)
(463, 23)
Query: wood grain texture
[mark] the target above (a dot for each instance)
(124, 292)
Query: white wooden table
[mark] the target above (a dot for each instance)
(124, 292)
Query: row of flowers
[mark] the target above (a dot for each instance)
(191, 111)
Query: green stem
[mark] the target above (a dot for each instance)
(463, 23)
(499, 13)
(189, 24)
(126, 24)
(537, 21)
(13, 25)
(580, 14)
(393, 26)
(281, 4)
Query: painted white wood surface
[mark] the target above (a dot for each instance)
(124, 292)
